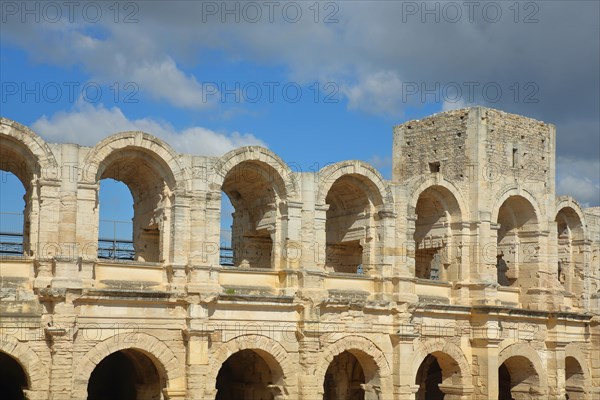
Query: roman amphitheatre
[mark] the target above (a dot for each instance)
(464, 276)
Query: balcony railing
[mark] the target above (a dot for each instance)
(225, 249)
(11, 233)
(114, 243)
(115, 240)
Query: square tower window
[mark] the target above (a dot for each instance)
(434, 167)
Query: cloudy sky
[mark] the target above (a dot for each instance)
(316, 82)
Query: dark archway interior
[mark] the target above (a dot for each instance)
(244, 376)
(12, 378)
(429, 377)
(254, 190)
(574, 379)
(504, 383)
(125, 375)
(347, 221)
(343, 378)
(516, 241)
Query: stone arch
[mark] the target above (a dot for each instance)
(571, 232)
(420, 186)
(439, 213)
(152, 172)
(455, 367)
(36, 371)
(569, 202)
(536, 384)
(27, 156)
(42, 163)
(261, 155)
(574, 350)
(170, 368)
(260, 187)
(164, 157)
(379, 190)
(354, 202)
(502, 195)
(577, 382)
(271, 351)
(372, 359)
(517, 227)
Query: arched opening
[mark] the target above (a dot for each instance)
(249, 374)
(115, 231)
(344, 379)
(12, 378)
(518, 379)
(429, 377)
(574, 379)
(18, 169)
(440, 375)
(257, 193)
(504, 383)
(125, 375)
(151, 185)
(13, 225)
(351, 225)
(437, 228)
(570, 267)
(517, 241)
(225, 246)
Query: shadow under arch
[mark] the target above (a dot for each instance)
(377, 189)
(571, 233)
(271, 352)
(577, 373)
(371, 359)
(518, 223)
(521, 373)
(169, 368)
(35, 371)
(438, 232)
(279, 171)
(443, 365)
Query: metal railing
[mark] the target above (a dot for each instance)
(11, 233)
(115, 240)
(225, 249)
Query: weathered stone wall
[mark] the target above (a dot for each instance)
(331, 291)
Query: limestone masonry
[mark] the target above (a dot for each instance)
(462, 277)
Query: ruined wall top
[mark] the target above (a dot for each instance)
(491, 141)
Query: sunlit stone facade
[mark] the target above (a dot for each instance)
(462, 277)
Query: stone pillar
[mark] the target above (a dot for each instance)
(180, 229)
(484, 344)
(556, 368)
(402, 374)
(320, 245)
(59, 334)
(45, 247)
(204, 265)
(309, 341)
(198, 344)
(483, 272)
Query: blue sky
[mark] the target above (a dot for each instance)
(189, 72)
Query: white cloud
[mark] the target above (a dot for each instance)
(377, 93)
(580, 179)
(120, 54)
(453, 105)
(87, 124)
